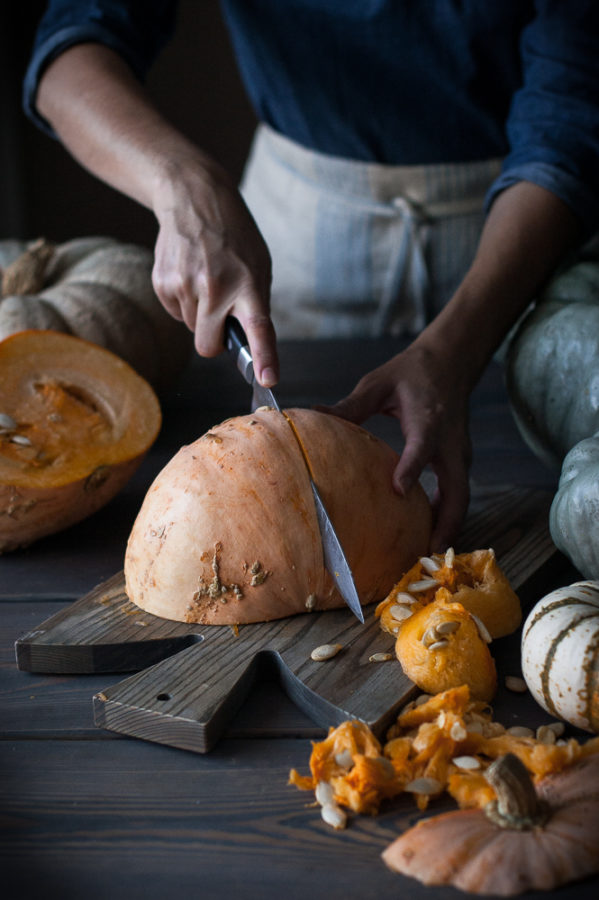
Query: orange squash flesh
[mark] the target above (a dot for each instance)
(429, 740)
(77, 422)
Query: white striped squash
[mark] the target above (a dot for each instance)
(560, 654)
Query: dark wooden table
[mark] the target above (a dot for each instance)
(87, 813)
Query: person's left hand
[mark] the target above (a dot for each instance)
(425, 392)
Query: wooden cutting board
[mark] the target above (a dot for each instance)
(191, 679)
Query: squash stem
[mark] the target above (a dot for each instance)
(27, 273)
(517, 805)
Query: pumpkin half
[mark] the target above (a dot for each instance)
(75, 423)
(228, 534)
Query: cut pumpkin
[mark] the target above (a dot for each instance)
(75, 423)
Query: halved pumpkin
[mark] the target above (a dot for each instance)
(228, 532)
(75, 423)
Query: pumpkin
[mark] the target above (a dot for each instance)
(97, 289)
(228, 534)
(442, 646)
(75, 423)
(473, 579)
(526, 839)
(574, 514)
(552, 365)
(560, 653)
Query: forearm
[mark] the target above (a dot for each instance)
(527, 234)
(106, 120)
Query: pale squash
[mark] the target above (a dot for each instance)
(97, 289)
(560, 654)
(75, 423)
(552, 365)
(574, 514)
(228, 531)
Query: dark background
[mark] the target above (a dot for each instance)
(43, 191)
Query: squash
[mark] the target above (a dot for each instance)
(560, 654)
(75, 423)
(228, 534)
(97, 289)
(526, 839)
(442, 646)
(473, 579)
(552, 365)
(574, 514)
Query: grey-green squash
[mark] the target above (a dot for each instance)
(574, 515)
(98, 289)
(552, 365)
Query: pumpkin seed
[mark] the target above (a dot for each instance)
(20, 439)
(457, 732)
(404, 597)
(514, 683)
(482, 629)
(344, 759)
(545, 735)
(448, 627)
(7, 422)
(422, 698)
(380, 657)
(429, 565)
(325, 651)
(333, 815)
(466, 762)
(324, 793)
(438, 645)
(449, 557)
(423, 585)
(430, 636)
(400, 612)
(310, 602)
(520, 731)
(557, 727)
(424, 785)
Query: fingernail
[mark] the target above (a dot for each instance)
(268, 377)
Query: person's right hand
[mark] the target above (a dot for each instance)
(211, 261)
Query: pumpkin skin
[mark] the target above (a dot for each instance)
(574, 514)
(552, 365)
(470, 851)
(97, 289)
(83, 421)
(228, 534)
(560, 654)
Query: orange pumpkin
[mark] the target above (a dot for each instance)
(228, 534)
(442, 646)
(75, 423)
(524, 840)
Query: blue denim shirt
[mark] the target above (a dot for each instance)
(412, 82)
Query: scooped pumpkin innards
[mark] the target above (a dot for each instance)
(439, 743)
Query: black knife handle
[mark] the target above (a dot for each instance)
(237, 345)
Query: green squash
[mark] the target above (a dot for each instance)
(552, 365)
(574, 515)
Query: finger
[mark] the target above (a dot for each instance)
(365, 400)
(262, 339)
(414, 457)
(451, 500)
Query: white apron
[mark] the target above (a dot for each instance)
(361, 249)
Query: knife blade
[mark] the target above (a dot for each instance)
(334, 557)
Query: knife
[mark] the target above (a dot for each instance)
(334, 557)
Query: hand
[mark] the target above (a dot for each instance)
(211, 261)
(426, 394)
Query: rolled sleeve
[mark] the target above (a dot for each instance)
(553, 124)
(137, 30)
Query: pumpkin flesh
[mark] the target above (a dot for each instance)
(83, 421)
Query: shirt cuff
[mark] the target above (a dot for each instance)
(565, 186)
(53, 47)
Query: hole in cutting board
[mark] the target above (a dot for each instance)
(163, 696)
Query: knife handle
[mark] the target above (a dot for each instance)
(237, 345)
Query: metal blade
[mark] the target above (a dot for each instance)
(334, 557)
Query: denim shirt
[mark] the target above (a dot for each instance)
(412, 82)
